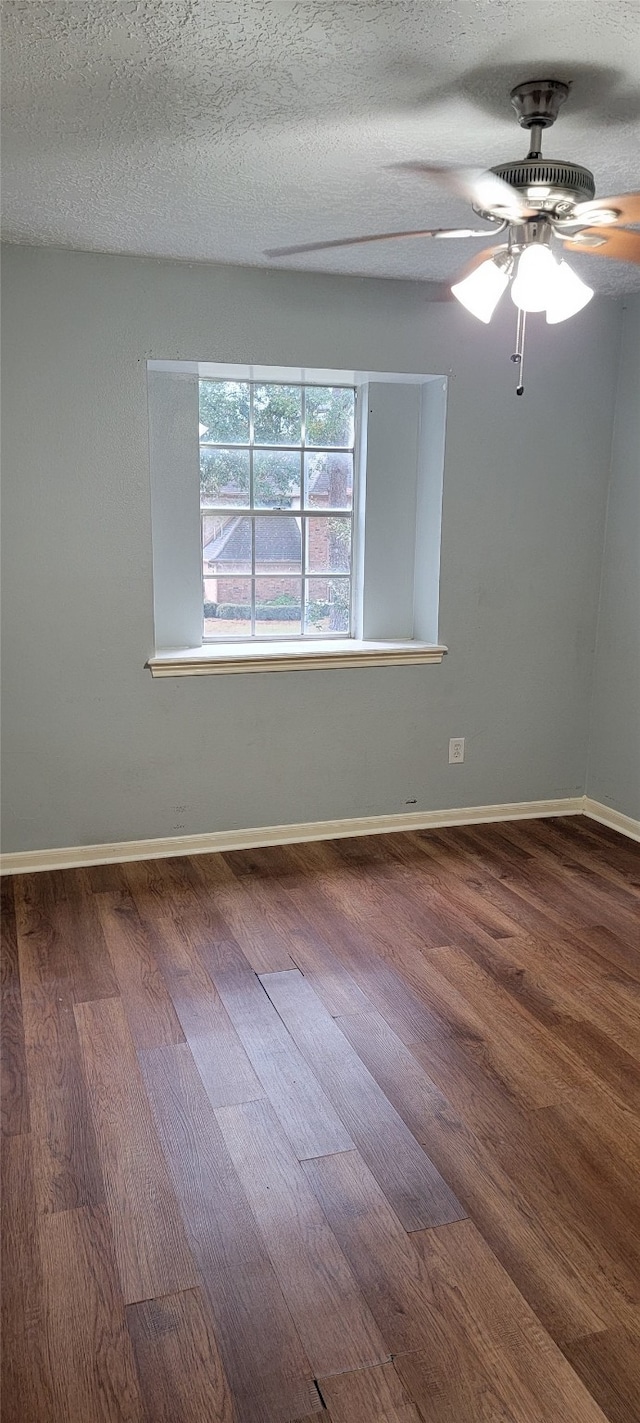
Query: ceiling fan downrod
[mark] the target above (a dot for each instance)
(537, 105)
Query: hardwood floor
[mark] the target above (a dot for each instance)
(346, 1131)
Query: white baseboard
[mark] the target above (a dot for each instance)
(607, 816)
(25, 862)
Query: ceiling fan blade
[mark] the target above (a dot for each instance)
(616, 242)
(625, 205)
(481, 187)
(376, 237)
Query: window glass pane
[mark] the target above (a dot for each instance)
(224, 412)
(329, 545)
(224, 477)
(277, 414)
(327, 606)
(227, 607)
(329, 415)
(328, 481)
(276, 479)
(254, 559)
(278, 603)
(278, 544)
(226, 545)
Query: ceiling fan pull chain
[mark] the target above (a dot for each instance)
(518, 355)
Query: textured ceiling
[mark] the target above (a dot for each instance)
(210, 130)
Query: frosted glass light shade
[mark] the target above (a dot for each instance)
(535, 278)
(481, 291)
(568, 294)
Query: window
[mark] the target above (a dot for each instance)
(295, 516)
(277, 466)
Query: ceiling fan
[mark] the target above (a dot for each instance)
(534, 202)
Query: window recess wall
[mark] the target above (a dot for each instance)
(397, 502)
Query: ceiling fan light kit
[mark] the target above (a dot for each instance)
(542, 283)
(568, 295)
(481, 291)
(554, 190)
(538, 283)
(537, 201)
(533, 279)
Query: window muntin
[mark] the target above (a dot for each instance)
(276, 506)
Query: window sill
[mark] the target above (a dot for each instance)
(290, 657)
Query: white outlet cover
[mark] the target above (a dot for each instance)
(456, 750)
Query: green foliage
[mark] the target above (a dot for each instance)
(273, 612)
(277, 414)
(224, 470)
(338, 610)
(329, 415)
(276, 477)
(339, 544)
(224, 410)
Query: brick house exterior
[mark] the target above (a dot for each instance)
(227, 544)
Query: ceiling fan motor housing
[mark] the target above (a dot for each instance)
(549, 184)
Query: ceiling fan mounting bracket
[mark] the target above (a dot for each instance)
(538, 102)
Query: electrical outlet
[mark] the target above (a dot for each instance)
(456, 750)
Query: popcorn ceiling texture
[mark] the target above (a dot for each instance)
(208, 130)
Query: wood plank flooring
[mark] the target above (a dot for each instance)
(344, 1131)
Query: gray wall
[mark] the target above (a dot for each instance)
(614, 751)
(95, 750)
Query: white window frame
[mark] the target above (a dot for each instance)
(398, 475)
(253, 511)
